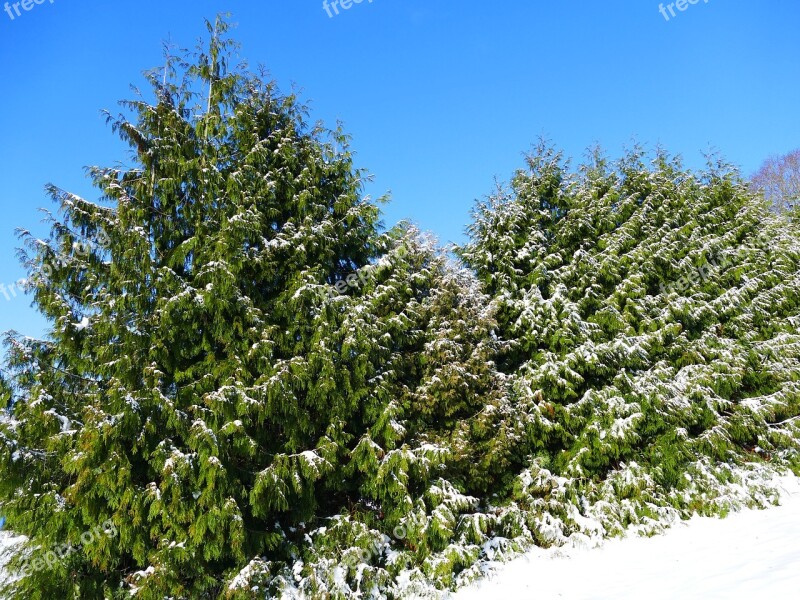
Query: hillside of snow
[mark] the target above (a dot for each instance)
(752, 555)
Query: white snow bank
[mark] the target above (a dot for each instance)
(8, 541)
(752, 554)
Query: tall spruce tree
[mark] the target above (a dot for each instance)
(245, 381)
(191, 391)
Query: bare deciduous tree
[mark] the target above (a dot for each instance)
(779, 180)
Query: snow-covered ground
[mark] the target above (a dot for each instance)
(751, 555)
(7, 543)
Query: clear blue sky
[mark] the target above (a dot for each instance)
(440, 96)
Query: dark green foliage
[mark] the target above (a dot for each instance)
(650, 312)
(203, 388)
(250, 389)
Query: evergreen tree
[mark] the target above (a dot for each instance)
(421, 328)
(191, 391)
(238, 359)
(651, 315)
